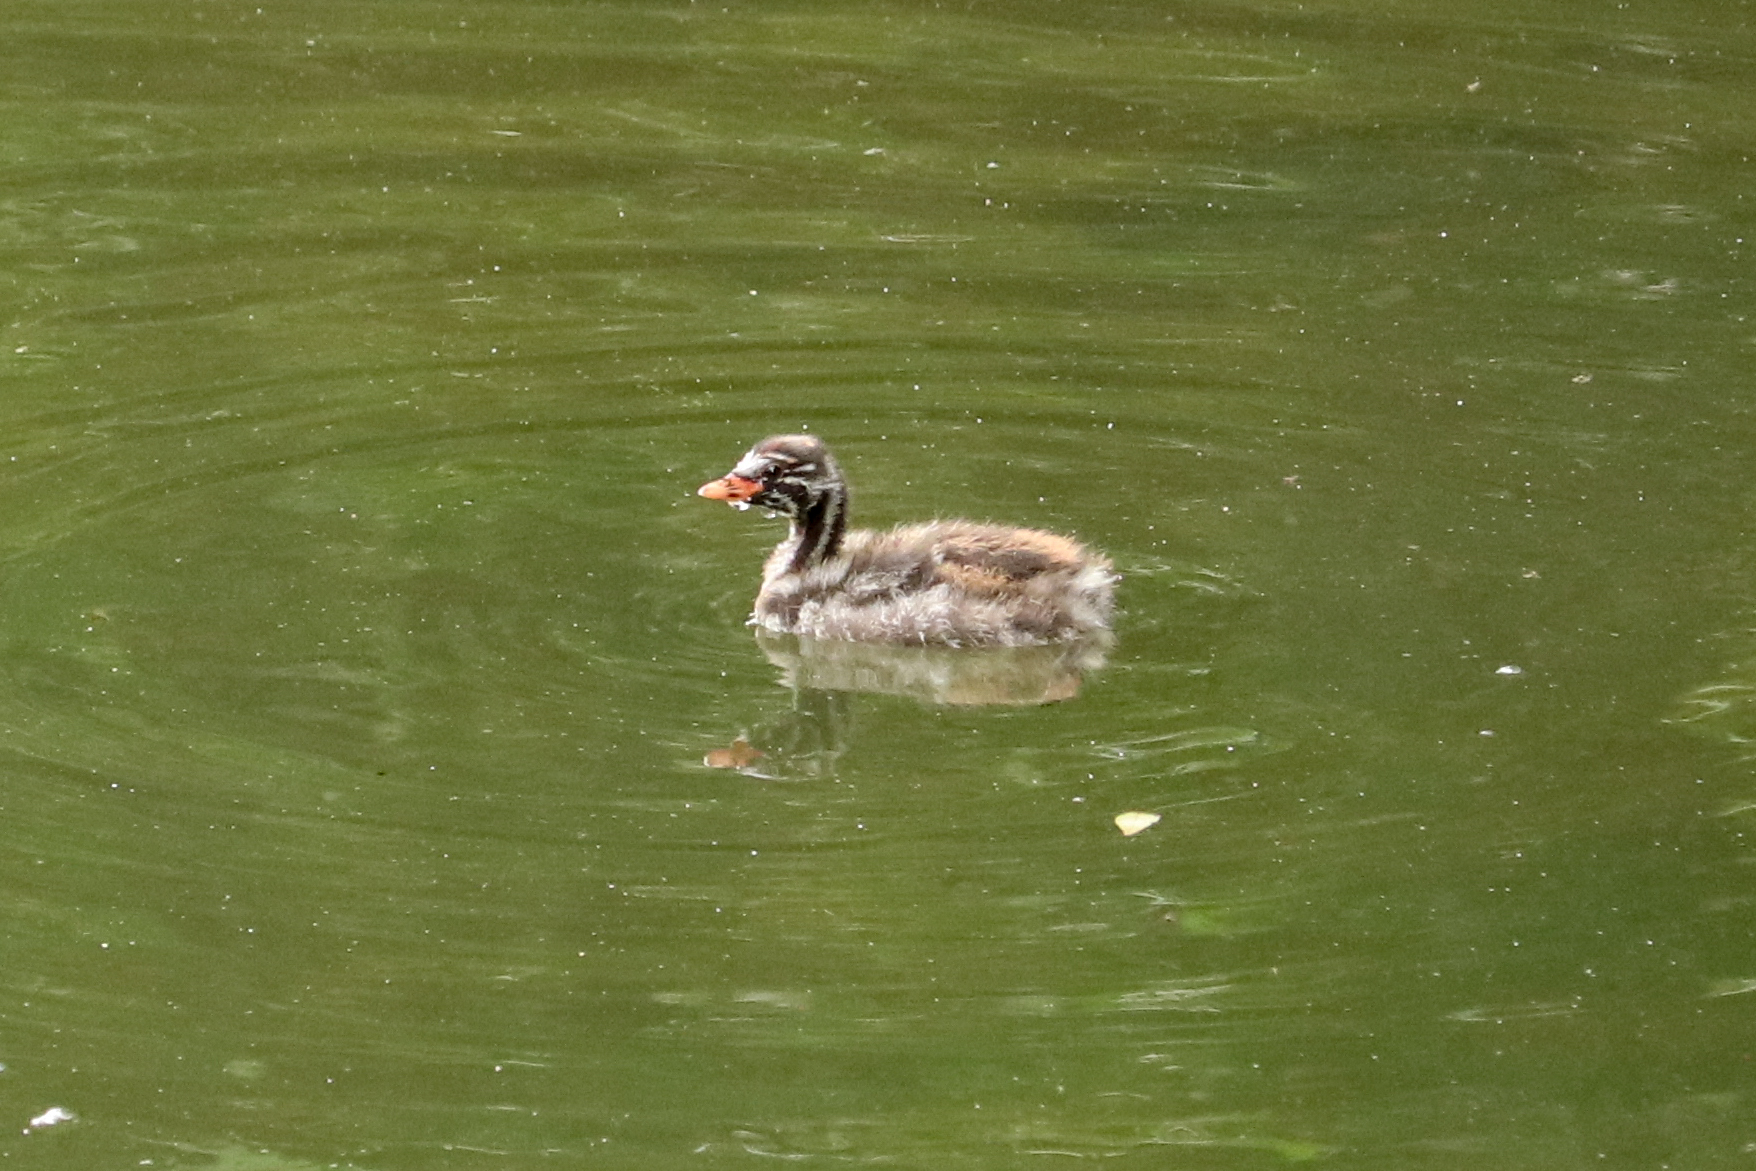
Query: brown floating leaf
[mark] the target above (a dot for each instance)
(1134, 821)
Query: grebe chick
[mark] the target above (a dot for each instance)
(946, 582)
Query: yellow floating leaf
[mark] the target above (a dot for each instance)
(1134, 821)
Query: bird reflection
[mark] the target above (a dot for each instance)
(956, 677)
(822, 674)
(801, 744)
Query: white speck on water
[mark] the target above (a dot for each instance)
(49, 1117)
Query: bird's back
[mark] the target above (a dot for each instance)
(951, 582)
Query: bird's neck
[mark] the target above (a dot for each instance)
(817, 531)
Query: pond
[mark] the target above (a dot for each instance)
(391, 779)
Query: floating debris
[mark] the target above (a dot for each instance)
(1134, 821)
(49, 1117)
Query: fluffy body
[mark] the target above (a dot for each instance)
(953, 583)
(947, 583)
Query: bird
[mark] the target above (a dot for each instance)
(953, 583)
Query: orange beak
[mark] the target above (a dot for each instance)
(731, 489)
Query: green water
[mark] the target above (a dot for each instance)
(364, 638)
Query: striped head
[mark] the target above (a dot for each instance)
(790, 474)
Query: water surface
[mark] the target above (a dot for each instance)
(364, 638)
